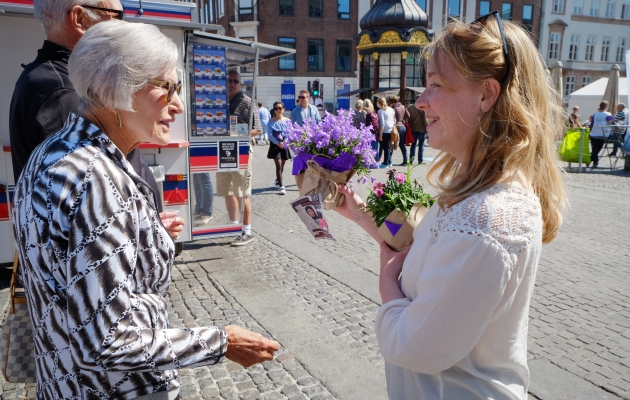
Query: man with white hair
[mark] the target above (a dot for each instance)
(44, 96)
(621, 118)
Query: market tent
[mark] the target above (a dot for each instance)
(589, 97)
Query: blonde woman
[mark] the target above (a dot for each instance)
(371, 120)
(386, 120)
(453, 324)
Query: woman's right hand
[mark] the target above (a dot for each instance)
(352, 206)
(248, 348)
(379, 138)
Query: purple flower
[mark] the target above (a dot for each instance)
(373, 179)
(400, 177)
(379, 192)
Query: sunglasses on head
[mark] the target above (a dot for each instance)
(170, 88)
(480, 23)
(302, 97)
(234, 81)
(118, 13)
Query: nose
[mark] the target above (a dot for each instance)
(421, 102)
(176, 106)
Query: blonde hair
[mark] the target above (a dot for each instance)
(382, 102)
(367, 105)
(518, 133)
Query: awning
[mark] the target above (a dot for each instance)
(354, 92)
(387, 92)
(243, 52)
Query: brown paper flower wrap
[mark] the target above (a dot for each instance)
(317, 179)
(397, 229)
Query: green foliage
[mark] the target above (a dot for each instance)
(397, 193)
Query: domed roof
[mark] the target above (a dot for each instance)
(394, 13)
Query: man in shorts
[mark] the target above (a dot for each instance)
(230, 184)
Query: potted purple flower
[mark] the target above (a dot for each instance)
(397, 206)
(328, 153)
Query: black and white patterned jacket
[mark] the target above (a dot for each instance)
(96, 263)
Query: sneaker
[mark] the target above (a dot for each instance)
(390, 165)
(276, 184)
(206, 218)
(402, 164)
(242, 240)
(281, 190)
(381, 166)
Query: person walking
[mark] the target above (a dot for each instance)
(455, 304)
(371, 120)
(264, 116)
(359, 114)
(402, 115)
(386, 120)
(418, 123)
(278, 149)
(597, 135)
(304, 109)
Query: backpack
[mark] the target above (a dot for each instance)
(372, 119)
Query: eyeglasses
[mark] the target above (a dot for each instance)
(277, 108)
(234, 81)
(302, 97)
(170, 88)
(119, 13)
(481, 22)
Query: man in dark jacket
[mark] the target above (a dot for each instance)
(418, 123)
(44, 96)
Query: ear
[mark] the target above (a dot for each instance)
(490, 93)
(79, 21)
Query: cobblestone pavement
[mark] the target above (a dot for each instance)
(579, 317)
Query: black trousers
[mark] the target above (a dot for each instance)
(387, 153)
(596, 146)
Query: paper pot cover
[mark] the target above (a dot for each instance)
(320, 180)
(397, 230)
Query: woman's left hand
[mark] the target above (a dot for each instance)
(173, 224)
(391, 267)
(281, 145)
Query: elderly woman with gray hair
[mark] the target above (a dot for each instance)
(359, 114)
(94, 255)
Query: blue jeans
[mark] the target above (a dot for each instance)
(418, 137)
(402, 130)
(204, 194)
(375, 148)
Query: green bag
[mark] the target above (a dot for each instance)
(569, 150)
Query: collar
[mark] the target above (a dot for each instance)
(53, 51)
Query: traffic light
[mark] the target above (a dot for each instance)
(316, 91)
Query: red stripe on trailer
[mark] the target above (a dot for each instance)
(18, 2)
(204, 161)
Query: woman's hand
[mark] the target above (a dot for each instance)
(354, 208)
(248, 348)
(281, 145)
(173, 224)
(391, 267)
(379, 137)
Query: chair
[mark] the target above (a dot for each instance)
(612, 136)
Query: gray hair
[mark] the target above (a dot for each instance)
(359, 104)
(622, 105)
(52, 13)
(115, 59)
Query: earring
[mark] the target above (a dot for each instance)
(118, 119)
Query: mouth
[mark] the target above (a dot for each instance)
(167, 124)
(432, 120)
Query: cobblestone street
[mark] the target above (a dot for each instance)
(319, 299)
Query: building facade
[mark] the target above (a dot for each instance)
(587, 36)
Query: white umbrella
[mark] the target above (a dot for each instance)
(611, 94)
(556, 76)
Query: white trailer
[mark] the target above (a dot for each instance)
(195, 145)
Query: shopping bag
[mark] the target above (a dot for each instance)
(408, 135)
(394, 139)
(17, 360)
(569, 150)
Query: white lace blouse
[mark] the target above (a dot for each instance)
(461, 331)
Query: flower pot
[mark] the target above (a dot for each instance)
(317, 179)
(397, 229)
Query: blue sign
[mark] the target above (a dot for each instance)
(287, 95)
(344, 101)
(287, 81)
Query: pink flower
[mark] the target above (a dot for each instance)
(400, 177)
(379, 192)
(378, 185)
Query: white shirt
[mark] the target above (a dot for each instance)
(461, 331)
(387, 119)
(599, 120)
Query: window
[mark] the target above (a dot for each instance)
(621, 49)
(368, 71)
(528, 17)
(605, 48)
(453, 9)
(554, 44)
(414, 70)
(610, 9)
(506, 11)
(558, 6)
(590, 48)
(315, 8)
(344, 55)
(316, 54)
(625, 10)
(389, 67)
(286, 7)
(594, 8)
(484, 8)
(586, 80)
(422, 4)
(573, 47)
(577, 7)
(245, 7)
(569, 87)
(287, 62)
(343, 9)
